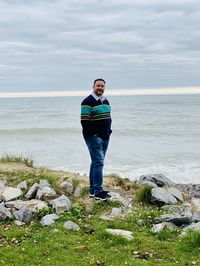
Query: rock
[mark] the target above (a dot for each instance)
(176, 193)
(45, 192)
(192, 189)
(23, 215)
(159, 179)
(196, 217)
(195, 204)
(161, 195)
(44, 183)
(11, 193)
(78, 191)
(55, 230)
(177, 218)
(71, 225)
(116, 197)
(149, 183)
(67, 187)
(34, 205)
(49, 219)
(2, 186)
(32, 191)
(127, 203)
(165, 225)
(172, 208)
(116, 212)
(19, 223)
(2, 204)
(193, 226)
(22, 185)
(61, 204)
(124, 233)
(5, 214)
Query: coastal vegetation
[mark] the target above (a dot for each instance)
(36, 244)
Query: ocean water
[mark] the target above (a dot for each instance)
(151, 134)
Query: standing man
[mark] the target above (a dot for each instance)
(96, 124)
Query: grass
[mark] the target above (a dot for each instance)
(143, 194)
(17, 159)
(34, 244)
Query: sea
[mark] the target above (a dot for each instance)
(152, 134)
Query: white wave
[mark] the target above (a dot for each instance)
(110, 92)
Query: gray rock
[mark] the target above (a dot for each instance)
(2, 186)
(19, 223)
(11, 193)
(61, 204)
(44, 183)
(124, 233)
(78, 191)
(196, 217)
(71, 225)
(193, 190)
(172, 208)
(176, 193)
(49, 219)
(193, 226)
(161, 195)
(67, 187)
(165, 225)
(116, 197)
(159, 179)
(23, 215)
(46, 192)
(177, 218)
(34, 205)
(5, 214)
(32, 191)
(22, 185)
(149, 183)
(195, 204)
(116, 212)
(2, 204)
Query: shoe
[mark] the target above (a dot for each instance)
(102, 196)
(91, 195)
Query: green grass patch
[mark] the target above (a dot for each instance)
(17, 159)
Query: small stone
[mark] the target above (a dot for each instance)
(61, 204)
(124, 233)
(5, 214)
(161, 195)
(71, 225)
(165, 225)
(44, 183)
(22, 185)
(67, 187)
(19, 223)
(176, 193)
(46, 192)
(49, 219)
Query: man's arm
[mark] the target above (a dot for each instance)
(86, 111)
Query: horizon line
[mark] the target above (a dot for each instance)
(110, 92)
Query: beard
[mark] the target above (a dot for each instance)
(99, 92)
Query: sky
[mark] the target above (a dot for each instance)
(63, 45)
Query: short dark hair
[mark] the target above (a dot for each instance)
(99, 80)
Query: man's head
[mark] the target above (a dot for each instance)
(99, 87)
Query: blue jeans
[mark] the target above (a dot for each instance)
(97, 148)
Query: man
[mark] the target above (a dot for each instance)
(96, 124)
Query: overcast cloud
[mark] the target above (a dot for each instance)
(65, 44)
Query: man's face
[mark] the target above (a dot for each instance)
(99, 88)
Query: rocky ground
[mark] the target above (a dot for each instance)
(29, 195)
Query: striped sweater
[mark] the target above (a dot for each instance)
(95, 117)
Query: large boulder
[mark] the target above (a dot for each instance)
(46, 192)
(11, 193)
(32, 191)
(5, 214)
(34, 205)
(23, 215)
(159, 179)
(61, 204)
(160, 195)
(177, 218)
